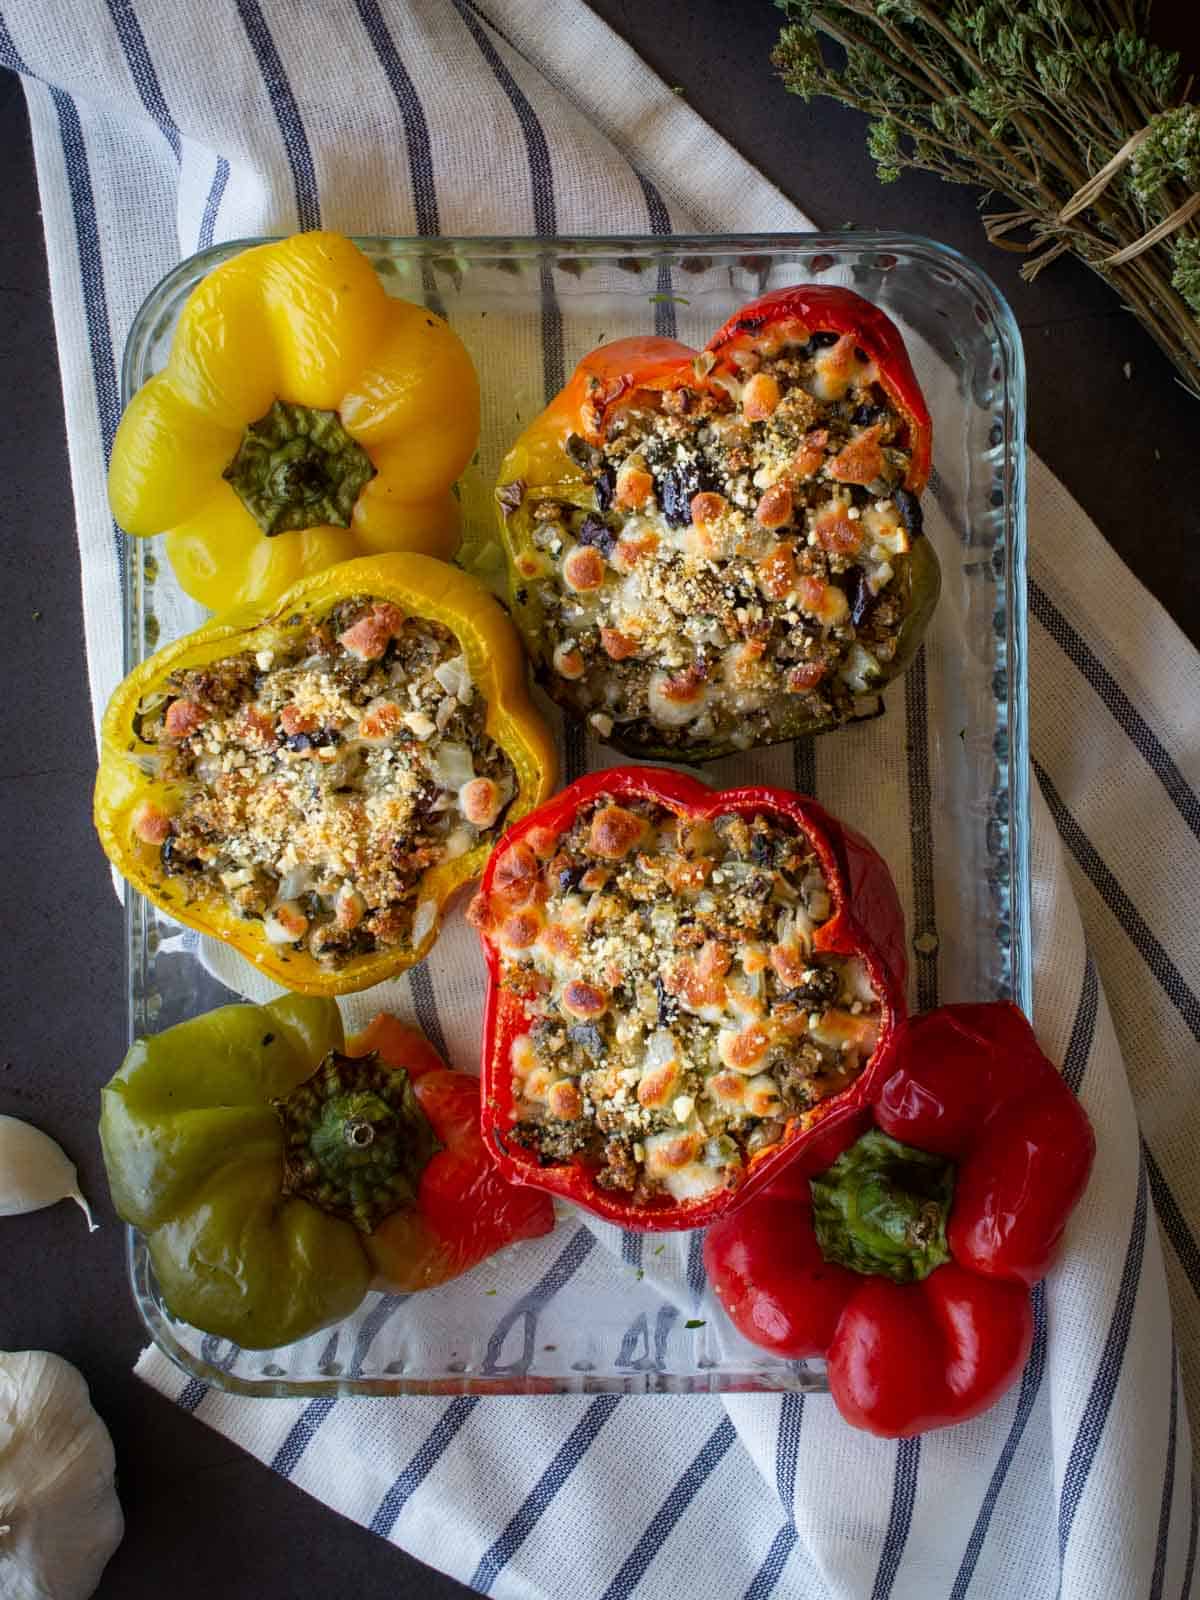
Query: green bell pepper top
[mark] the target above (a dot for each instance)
(195, 1155)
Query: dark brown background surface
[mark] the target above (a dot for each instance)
(204, 1519)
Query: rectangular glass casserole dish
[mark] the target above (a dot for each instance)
(939, 782)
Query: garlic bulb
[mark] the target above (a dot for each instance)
(60, 1518)
(35, 1172)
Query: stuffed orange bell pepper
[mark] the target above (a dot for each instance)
(303, 418)
(311, 783)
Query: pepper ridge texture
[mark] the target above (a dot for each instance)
(968, 1083)
(305, 321)
(866, 921)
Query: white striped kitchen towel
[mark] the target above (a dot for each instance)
(159, 128)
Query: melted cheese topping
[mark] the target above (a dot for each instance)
(680, 1013)
(316, 785)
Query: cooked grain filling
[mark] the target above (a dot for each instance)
(738, 567)
(321, 780)
(680, 1013)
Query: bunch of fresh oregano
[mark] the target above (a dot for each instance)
(1064, 107)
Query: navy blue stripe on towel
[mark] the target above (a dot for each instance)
(633, 1568)
(1105, 882)
(1168, 1494)
(91, 263)
(537, 1502)
(787, 1450)
(287, 114)
(904, 1495)
(141, 70)
(1108, 1373)
(1119, 705)
(412, 115)
(1031, 1381)
(212, 206)
(449, 1425)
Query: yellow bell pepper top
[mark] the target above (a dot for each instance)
(303, 418)
(129, 784)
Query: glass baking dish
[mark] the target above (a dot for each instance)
(591, 1308)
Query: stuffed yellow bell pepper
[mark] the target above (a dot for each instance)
(303, 418)
(311, 783)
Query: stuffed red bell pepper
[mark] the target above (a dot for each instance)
(683, 984)
(717, 549)
(903, 1251)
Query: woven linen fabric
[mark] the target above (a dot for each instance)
(160, 128)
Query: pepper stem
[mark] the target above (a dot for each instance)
(298, 468)
(881, 1209)
(355, 1139)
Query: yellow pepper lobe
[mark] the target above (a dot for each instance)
(298, 468)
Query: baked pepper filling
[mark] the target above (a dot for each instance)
(738, 566)
(316, 783)
(680, 1014)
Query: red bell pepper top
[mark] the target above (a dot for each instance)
(610, 378)
(866, 921)
(465, 1210)
(827, 308)
(931, 1324)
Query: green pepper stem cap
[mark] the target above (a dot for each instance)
(355, 1139)
(297, 467)
(881, 1209)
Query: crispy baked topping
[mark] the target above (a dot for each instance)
(738, 566)
(318, 782)
(680, 1014)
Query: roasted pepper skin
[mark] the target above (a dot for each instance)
(968, 1083)
(304, 320)
(866, 921)
(421, 586)
(194, 1152)
(465, 1210)
(610, 377)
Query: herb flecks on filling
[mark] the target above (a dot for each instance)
(738, 567)
(680, 1015)
(319, 780)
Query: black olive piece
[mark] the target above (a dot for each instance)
(668, 1005)
(824, 341)
(909, 508)
(605, 485)
(299, 742)
(676, 488)
(762, 849)
(594, 532)
(569, 877)
(858, 593)
(864, 416)
(582, 453)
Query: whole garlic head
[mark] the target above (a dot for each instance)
(60, 1518)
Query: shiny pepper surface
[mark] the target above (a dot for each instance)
(279, 1171)
(303, 418)
(904, 1253)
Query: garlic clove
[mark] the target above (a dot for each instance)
(35, 1171)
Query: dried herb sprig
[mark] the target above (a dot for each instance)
(1064, 107)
